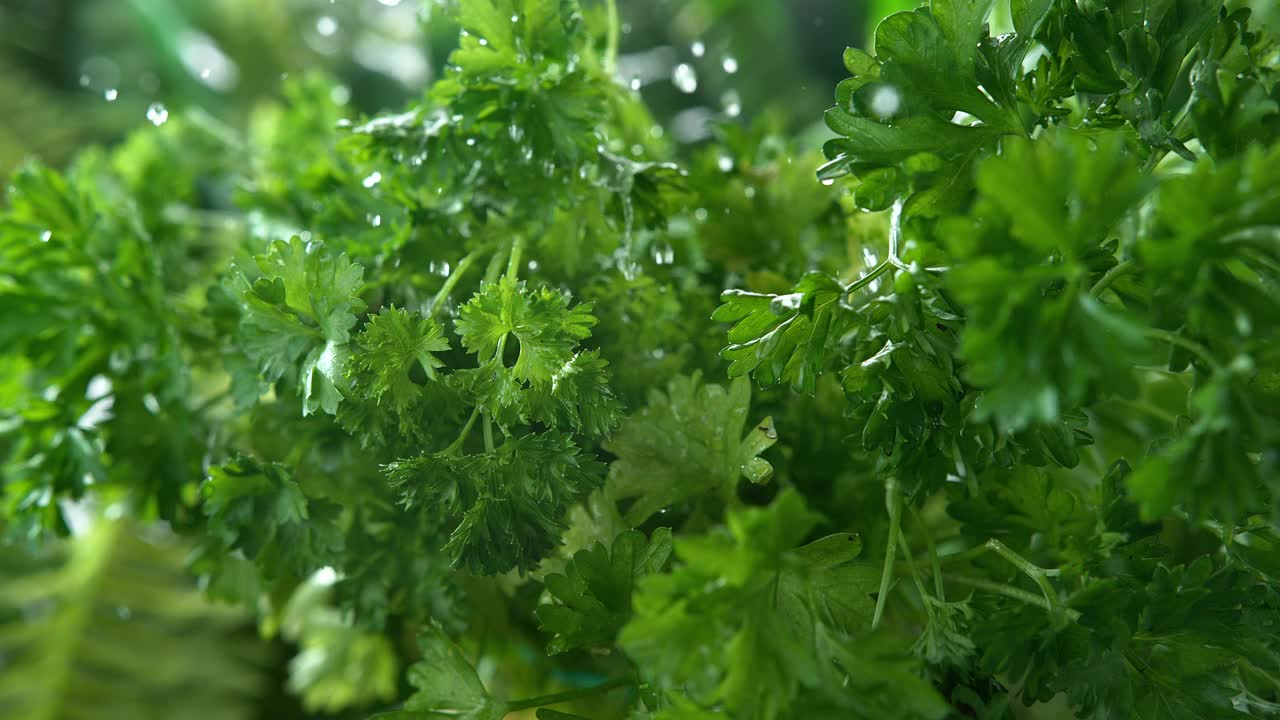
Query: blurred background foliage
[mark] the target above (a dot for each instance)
(79, 71)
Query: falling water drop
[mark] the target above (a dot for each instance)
(157, 113)
(326, 26)
(684, 78)
(828, 182)
(732, 103)
(730, 64)
(725, 163)
(110, 94)
(373, 178)
(698, 49)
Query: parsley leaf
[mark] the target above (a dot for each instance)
(686, 442)
(594, 591)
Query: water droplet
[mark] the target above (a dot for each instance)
(151, 403)
(698, 49)
(730, 64)
(626, 28)
(373, 178)
(635, 83)
(732, 103)
(749, 191)
(390, 3)
(533, 266)
(700, 214)
(110, 94)
(326, 25)
(828, 182)
(157, 113)
(46, 236)
(515, 18)
(637, 150)
(664, 255)
(886, 101)
(123, 612)
(725, 163)
(84, 81)
(471, 142)
(483, 42)
(375, 220)
(684, 78)
(340, 94)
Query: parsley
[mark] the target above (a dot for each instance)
(480, 374)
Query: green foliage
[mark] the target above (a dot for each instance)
(453, 375)
(83, 624)
(594, 592)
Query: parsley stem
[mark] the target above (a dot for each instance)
(611, 37)
(1192, 346)
(1012, 592)
(933, 553)
(893, 499)
(463, 265)
(466, 430)
(517, 250)
(915, 574)
(867, 279)
(556, 698)
(1126, 267)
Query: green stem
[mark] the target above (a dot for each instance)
(1012, 592)
(1194, 347)
(611, 38)
(462, 436)
(894, 501)
(938, 589)
(880, 269)
(562, 697)
(494, 268)
(915, 574)
(1038, 574)
(463, 266)
(488, 433)
(517, 251)
(1126, 267)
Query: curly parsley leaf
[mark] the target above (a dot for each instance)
(686, 442)
(298, 305)
(502, 509)
(593, 594)
(258, 509)
(781, 338)
(445, 682)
